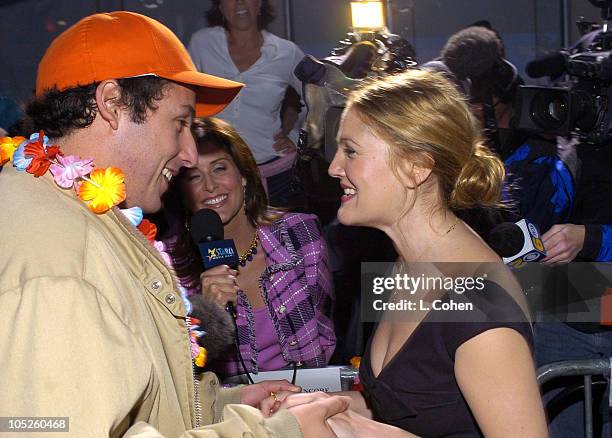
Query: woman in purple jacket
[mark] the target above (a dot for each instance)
(282, 288)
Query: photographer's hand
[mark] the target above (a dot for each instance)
(562, 243)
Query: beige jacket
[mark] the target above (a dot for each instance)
(93, 328)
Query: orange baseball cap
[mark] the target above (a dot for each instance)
(124, 44)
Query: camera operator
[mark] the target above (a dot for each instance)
(588, 233)
(473, 59)
(575, 206)
(564, 188)
(585, 236)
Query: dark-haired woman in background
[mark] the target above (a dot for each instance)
(409, 154)
(282, 288)
(237, 46)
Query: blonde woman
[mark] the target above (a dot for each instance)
(410, 154)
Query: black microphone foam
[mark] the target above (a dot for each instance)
(311, 71)
(552, 65)
(206, 226)
(506, 239)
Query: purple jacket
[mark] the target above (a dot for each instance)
(297, 289)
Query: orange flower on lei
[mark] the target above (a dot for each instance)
(200, 359)
(8, 146)
(149, 229)
(103, 189)
(100, 189)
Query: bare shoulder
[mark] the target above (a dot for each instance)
(499, 342)
(467, 246)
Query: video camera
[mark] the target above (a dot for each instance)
(582, 106)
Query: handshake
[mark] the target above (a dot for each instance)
(319, 414)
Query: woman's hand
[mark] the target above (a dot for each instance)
(312, 409)
(219, 284)
(350, 424)
(358, 403)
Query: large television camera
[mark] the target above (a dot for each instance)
(581, 106)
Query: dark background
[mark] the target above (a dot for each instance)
(528, 27)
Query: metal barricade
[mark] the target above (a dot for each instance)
(586, 368)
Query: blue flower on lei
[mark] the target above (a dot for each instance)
(134, 215)
(186, 302)
(20, 161)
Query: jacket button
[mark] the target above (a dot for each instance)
(170, 299)
(292, 343)
(282, 308)
(156, 284)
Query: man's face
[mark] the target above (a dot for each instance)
(153, 152)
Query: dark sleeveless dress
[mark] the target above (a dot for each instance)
(417, 390)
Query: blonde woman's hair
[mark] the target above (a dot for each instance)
(426, 121)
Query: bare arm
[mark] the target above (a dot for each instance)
(496, 375)
(350, 424)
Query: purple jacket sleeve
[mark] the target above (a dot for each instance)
(324, 300)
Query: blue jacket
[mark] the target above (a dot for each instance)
(546, 193)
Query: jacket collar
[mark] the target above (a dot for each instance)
(278, 247)
(144, 261)
(147, 264)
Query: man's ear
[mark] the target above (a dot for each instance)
(108, 98)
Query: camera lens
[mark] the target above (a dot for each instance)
(550, 109)
(557, 109)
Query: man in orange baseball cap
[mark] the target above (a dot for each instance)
(96, 331)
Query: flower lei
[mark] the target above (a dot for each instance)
(101, 190)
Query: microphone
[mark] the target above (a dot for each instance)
(324, 74)
(552, 65)
(311, 71)
(207, 233)
(517, 243)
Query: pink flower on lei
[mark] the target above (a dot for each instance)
(68, 169)
(161, 248)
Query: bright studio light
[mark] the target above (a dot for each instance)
(367, 15)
